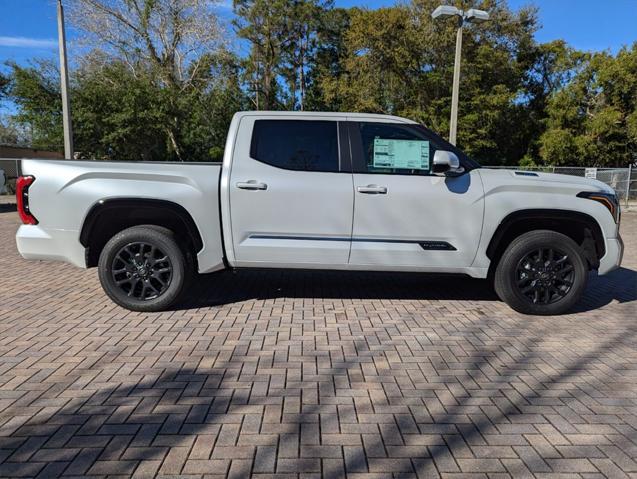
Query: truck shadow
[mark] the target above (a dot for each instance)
(228, 287)
(242, 285)
(620, 286)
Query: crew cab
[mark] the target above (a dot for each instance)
(337, 191)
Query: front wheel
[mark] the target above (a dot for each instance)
(143, 268)
(541, 272)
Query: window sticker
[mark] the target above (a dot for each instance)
(401, 154)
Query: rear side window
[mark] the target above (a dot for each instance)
(296, 144)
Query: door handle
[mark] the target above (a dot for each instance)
(251, 185)
(372, 190)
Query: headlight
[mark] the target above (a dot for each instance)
(609, 200)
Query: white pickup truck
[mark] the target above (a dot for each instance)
(320, 191)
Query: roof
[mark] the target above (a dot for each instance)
(320, 114)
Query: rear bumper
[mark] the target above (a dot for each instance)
(35, 242)
(613, 257)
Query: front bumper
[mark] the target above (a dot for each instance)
(35, 242)
(613, 257)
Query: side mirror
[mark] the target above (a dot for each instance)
(446, 162)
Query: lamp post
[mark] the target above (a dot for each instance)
(471, 15)
(64, 86)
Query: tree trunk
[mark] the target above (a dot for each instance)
(175, 145)
(256, 78)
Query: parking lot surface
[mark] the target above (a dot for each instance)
(298, 374)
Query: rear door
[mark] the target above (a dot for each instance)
(291, 194)
(404, 216)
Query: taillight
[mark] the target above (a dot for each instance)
(22, 185)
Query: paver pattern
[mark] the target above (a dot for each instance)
(296, 374)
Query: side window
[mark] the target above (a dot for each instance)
(296, 144)
(395, 148)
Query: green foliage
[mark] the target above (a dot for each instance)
(118, 113)
(263, 24)
(527, 161)
(4, 85)
(129, 116)
(397, 60)
(9, 134)
(283, 38)
(520, 101)
(327, 61)
(208, 107)
(592, 119)
(36, 92)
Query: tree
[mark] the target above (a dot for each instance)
(375, 65)
(302, 26)
(592, 120)
(118, 114)
(397, 60)
(552, 66)
(211, 106)
(262, 23)
(283, 38)
(35, 90)
(12, 133)
(4, 86)
(8, 133)
(327, 61)
(167, 38)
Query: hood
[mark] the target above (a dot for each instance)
(539, 179)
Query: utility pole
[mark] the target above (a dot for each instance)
(455, 92)
(471, 15)
(64, 79)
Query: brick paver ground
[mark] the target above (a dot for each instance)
(298, 374)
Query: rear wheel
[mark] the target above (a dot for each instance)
(541, 272)
(143, 268)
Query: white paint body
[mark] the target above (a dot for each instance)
(306, 219)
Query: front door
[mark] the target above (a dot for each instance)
(291, 196)
(404, 216)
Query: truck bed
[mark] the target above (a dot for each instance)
(64, 191)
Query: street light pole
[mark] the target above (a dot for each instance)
(471, 15)
(455, 92)
(64, 85)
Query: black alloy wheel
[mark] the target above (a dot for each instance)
(142, 270)
(545, 275)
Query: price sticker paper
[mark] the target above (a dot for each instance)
(401, 154)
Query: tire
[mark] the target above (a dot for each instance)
(532, 280)
(190, 257)
(143, 268)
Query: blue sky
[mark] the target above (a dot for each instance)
(28, 27)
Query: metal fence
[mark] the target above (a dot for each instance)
(622, 180)
(10, 167)
(11, 171)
